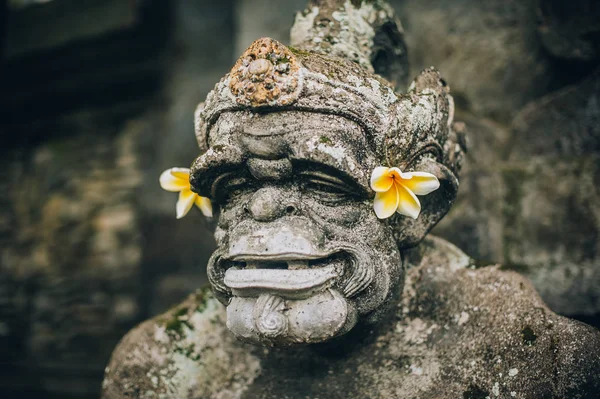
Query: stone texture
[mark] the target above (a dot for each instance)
(366, 33)
(89, 243)
(71, 255)
(551, 207)
(553, 171)
(564, 123)
(528, 196)
(496, 38)
(489, 51)
(301, 130)
(457, 328)
(459, 331)
(529, 113)
(476, 222)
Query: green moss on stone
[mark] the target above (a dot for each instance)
(297, 51)
(201, 298)
(325, 140)
(174, 324)
(189, 352)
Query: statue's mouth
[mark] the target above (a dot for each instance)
(288, 275)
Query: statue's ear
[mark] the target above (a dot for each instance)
(409, 232)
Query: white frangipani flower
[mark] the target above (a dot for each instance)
(178, 180)
(396, 191)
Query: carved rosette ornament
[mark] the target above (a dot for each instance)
(266, 74)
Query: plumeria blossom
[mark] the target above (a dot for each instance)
(397, 191)
(178, 180)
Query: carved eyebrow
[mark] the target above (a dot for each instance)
(217, 182)
(232, 178)
(216, 161)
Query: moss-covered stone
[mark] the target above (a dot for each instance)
(487, 333)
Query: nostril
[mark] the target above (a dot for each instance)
(290, 210)
(246, 209)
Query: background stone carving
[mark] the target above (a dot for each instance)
(90, 117)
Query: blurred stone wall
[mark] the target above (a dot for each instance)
(525, 78)
(90, 114)
(98, 97)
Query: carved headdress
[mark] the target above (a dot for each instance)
(345, 59)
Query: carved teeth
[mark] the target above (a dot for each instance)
(297, 264)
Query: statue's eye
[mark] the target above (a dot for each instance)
(328, 189)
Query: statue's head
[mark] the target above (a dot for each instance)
(289, 139)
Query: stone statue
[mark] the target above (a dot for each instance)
(323, 296)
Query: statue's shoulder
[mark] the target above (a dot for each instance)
(187, 349)
(491, 331)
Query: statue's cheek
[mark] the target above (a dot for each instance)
(233, 211)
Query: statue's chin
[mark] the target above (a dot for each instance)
(269, 319)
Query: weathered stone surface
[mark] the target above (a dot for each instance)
(289, 139)
(529, 196)
(451, 35)
(184, 353)
(89, 243)
(488, 51)
(552, 232)
(71, 252)
(564, 123)
(553, 174)
(366, 33)
(492, 57)
(476, 223)
(552, 197)
(458, 332)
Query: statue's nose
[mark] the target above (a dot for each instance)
(270, 203)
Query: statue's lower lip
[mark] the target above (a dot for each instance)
(287, 282)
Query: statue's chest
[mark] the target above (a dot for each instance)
(400, 368)
(376, 373)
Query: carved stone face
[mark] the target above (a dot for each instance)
(290, 141)
(301, 255)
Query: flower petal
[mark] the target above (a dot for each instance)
(396, 173)
(381, 181)
(386, 203)
(182, 173)
(170, 182)
(408, 203)
(205, 206)
(420, 183)
(185, 202)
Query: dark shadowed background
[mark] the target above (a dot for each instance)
(97, 98)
